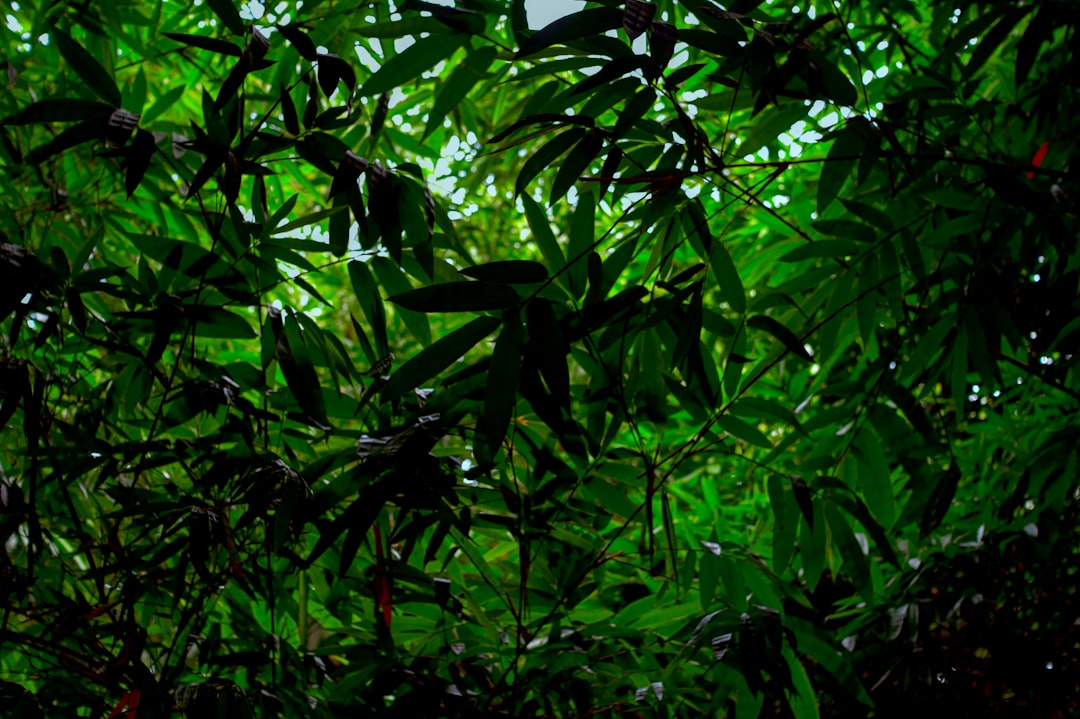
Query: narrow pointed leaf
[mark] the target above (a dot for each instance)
(458, 85)
(782, 333)
(221, 47)
(87, 67)
(424, 54)
(500, 392)
(437, 357)
(458, 297)
(594, 21)
(510, 272)
(228, 14)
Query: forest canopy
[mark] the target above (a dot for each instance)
(670, 359)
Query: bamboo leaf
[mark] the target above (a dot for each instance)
(424, 54)
(458, 297)
(87, 67)
(436, 357)
(500, 392)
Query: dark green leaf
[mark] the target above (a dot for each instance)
(300, 41)
(221, 47)
(458, 297)
(60, 110)
(782, 333)
(542, 234)
(827, 249)
(458, 85)
(500, 392)
(437, 357)
(846, 147)
(575, 164)
(87, 67)
(593, 21)
(582, 227)
(226, 11)
(545, 156)
(510, 272)
(548, 349)
(838, 87)
(424, 54)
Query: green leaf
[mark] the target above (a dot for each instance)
(542, 234)
(458, 297)
(393, 281)
(782, 333)
(422, 55)
(221, 47)
(220, 322)
(457, 86)
(437, 357)
(86, 66)
(593, 21)
(545, 156)
(837, 86)
(510, 272)
(548, 349)
(575, 165)
(71, 109)
(696, 226)
(769, 125)
(712, 42)
(928, 347)
(743, 430)
(500, 392)
(855, 562)
(827, 249)
(785, 522)
(227, 13)
(306, 220)
(874, 478)
(367, 292)
(582, 227)
(847, 145)
(708, 578)
(1038, 32)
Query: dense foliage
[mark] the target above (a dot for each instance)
(394, 359)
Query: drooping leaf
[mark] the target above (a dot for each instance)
(782, 333)
(874, 478)
(228, 14)
(438, 356)
(458, 297)
(743, 430)
(548, 349)
(841, 160)
(367, 292)
(542, 234)
(582, 227)
(415, 59)
(593, 21)
(511, 272)
(87, 67)
(458, 85)
(827, 249)
(546, 156)
(695, 223)
(60, 110)
(213, 44)
(836, 84)
(299, 40)
(500, 392)
(575, 164)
